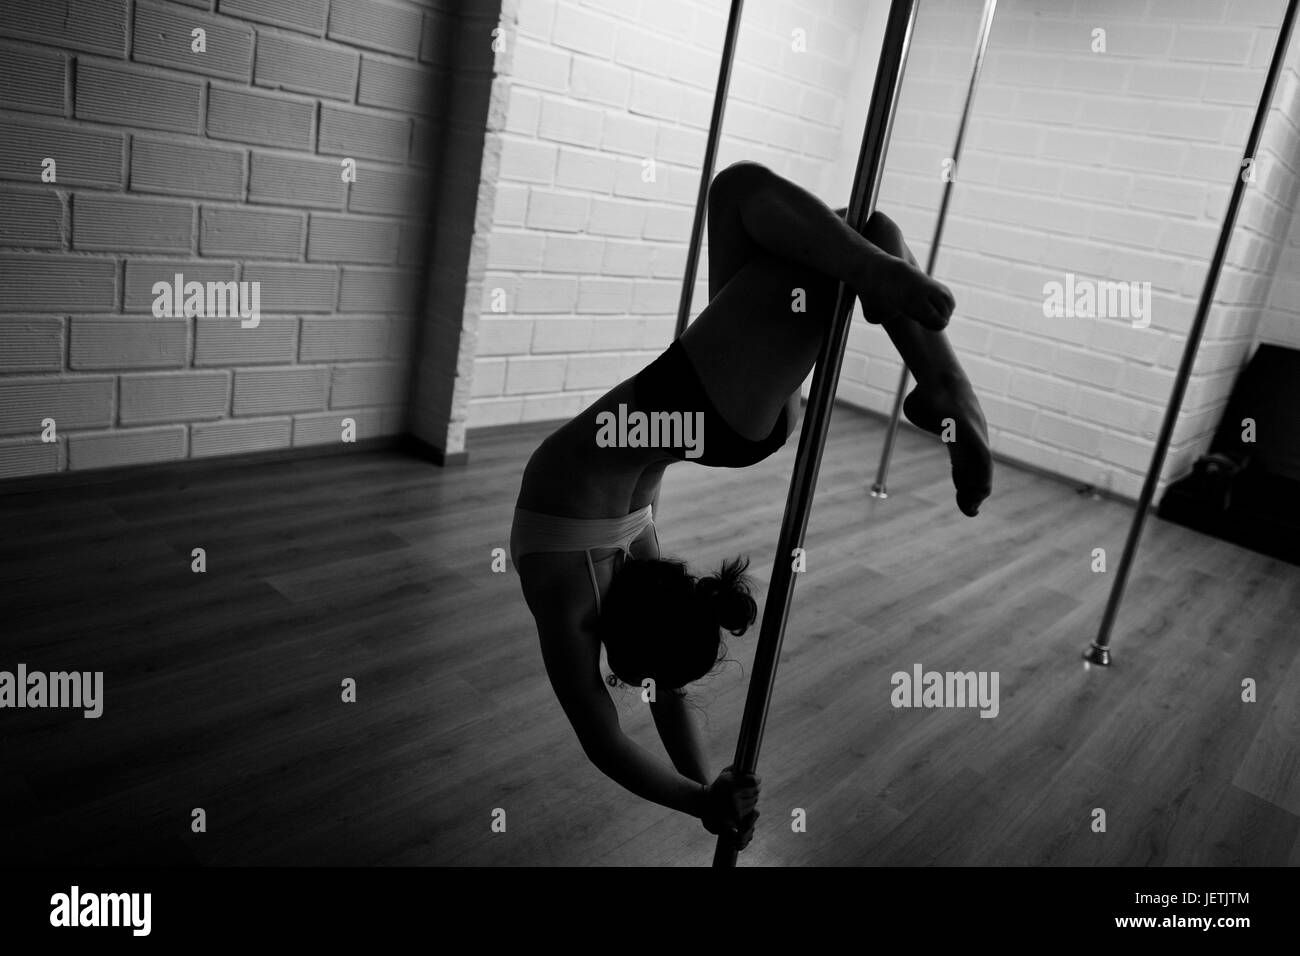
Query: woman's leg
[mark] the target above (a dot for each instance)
(927, 353)
(753, 210)
(768, 236)
(776, 249)
(942, 392)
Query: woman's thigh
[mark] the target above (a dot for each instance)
(730, 244)
(758, 339)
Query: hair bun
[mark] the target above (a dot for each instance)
(727, 594)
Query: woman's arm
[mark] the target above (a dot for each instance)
(571, 652)
(677, 729)
(565, 616)
(586, 702)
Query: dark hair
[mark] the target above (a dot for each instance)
(661, 622)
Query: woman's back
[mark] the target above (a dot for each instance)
(569, 475)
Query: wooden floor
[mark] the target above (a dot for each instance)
(223, 688)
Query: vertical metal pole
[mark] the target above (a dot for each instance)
(706, 177)
(879, 489)
(812, 437)
(1098, 651)
(706, 173)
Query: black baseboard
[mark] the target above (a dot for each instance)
(408, 444)
(422, 449)
(166, 471)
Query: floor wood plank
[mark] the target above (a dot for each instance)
(223, 689)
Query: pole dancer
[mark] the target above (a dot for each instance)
(583, 539)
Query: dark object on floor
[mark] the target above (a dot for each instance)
(1248, 492)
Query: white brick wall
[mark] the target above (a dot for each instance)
(1253, 301)
(1112, 166)
(465, 195)
(1280, 323)
(221, 165)
(587, 253)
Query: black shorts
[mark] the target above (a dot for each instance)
(670, 383)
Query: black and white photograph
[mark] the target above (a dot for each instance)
(641, 434)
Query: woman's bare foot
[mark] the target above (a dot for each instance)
(894, 286)
(952, 412)
(891, 287)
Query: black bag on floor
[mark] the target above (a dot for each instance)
(1243, 491)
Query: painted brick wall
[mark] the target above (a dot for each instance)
(1252, 301)
(224, 165)
(1280, 322)
(584, 254)
(464, 184)
(1113, 166)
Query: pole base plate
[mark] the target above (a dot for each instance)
(1096, 654)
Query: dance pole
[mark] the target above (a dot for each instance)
(817, 416)
(706, 173)
(879, 490)
(1098, 651)
(706, 177)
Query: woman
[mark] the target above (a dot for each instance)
(583, 539)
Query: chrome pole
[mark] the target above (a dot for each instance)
(1098, 651)
(812, 437)
(710, 158)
